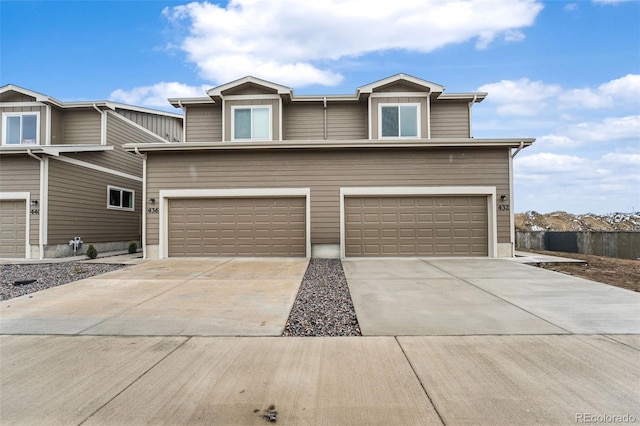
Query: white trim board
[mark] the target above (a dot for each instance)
(26, 196)
(488, 191)
(97, 168)
(167, 194)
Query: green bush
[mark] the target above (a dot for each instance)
(92, 253)
(133, 247)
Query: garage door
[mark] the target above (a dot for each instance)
(13, 228)
(416, 226)
(237, 227)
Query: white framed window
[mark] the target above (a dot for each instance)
(399, 120)
(120, 198)
(21, 128)
(251, 122)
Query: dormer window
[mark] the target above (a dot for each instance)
(20, 128)
(399, 120)
(251, 122)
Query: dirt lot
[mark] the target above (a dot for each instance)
(618, 272)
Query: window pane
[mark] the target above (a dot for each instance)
(13, 130)
(389, 121)
(127, 199)
(409, 121)
(260, 123)
(29, 128)
(242, 124)
(114, 197)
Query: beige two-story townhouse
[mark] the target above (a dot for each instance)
(64, 172)
(392, 170)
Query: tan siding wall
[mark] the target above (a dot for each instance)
(43, 118)
(423, 112)
(450, 119)
(275, 115)
(81, 127)
(325, 172)
(398, 87)
(249, 89)
(78, 206)
(167, 128)
(17, 97)
(303, 121)
(204, 123)
(347, 121)
(57, 126)
(21, 173)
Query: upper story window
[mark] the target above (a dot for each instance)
(251, 122)
(120, 198)
(399, 120)
(20, 128)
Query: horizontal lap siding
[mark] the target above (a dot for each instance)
(449, 119)
(57, 126)
(303, 121)
(204, 123)
(81, 127)
(78, 206)
(21, 173)
(347, 121)
(325, 172)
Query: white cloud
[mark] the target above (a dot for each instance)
(571, 7)
(521, 97)
(157, 95)
(611, 1)
(624, 90)
(285, 41)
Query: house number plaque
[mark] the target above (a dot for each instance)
(153, 210)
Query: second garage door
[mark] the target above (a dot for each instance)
(13, 228)
(416, 226)
(237, 226)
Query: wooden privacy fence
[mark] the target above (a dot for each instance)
(620, 244)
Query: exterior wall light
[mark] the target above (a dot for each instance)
(504, 197)
(34, 202)
(152, 200)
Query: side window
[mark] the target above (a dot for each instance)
(120, 198)
(251, 123)
(20, 128)
(399, 121)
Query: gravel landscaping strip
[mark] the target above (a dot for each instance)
(46, 275)
(323, 306)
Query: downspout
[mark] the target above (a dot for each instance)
(103, 127)
(475, 97)
(144, 201)
(184, 121)
(43, 205)
(512, 231)
(325, 117)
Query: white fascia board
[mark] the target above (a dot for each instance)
(369, 88)
(475, 97)
(137, 126)
(280, 89)
(95, 167)
(39, 97)
(53, 150)
(176, 102)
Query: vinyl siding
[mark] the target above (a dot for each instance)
(275, 115)
(21, 173)
(43, 118)
(57, 126)
(347, 121)
(167, 128)
(81, 127)
(450, 119)
(204, 123)
(325, 172)
(399, 100)
(303, 121)
(399, 87)
(12, 96)
(78, 206)
(249, 89)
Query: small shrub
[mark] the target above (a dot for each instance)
(92, 253)
(133, 247)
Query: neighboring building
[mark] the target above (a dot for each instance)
(65, 174)
(392, 170)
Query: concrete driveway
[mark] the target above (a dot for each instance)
(478, 341)
(194, 297)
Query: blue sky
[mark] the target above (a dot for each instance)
(564, 72)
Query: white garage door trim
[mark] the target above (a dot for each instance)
(488, 191)
(26, 196)
(165, 195)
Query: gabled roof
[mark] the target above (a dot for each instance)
(400, 78)
(277, 88)
(38, 97)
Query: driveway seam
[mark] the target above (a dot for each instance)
(134, 381)
(496, 296)
(151, 298)
(419, 381)
(610, 337)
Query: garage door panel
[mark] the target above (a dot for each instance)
(237, 227)
(14, 228)
(416, 225)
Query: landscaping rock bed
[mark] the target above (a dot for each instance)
(20, 279)
(323, 306)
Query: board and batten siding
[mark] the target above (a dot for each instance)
(399, 100)
(21, 173)
(275, 115)
(81, 127)
(78, 206)
(450, 119)
(43, 118)
(203, 123)
(325, 172)
(168, 128)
